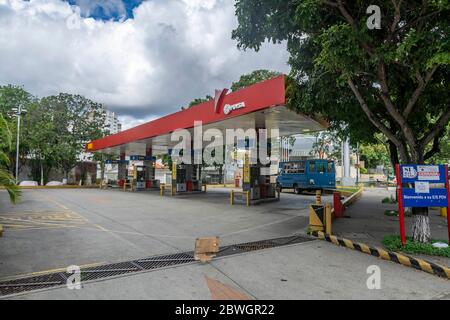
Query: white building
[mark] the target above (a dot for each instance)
(112, 121)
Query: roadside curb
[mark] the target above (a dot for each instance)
(353, 198)
(419, 264)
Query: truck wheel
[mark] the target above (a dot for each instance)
(296, 189)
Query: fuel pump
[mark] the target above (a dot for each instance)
(179, 178)
(139, 177)
(251, 174)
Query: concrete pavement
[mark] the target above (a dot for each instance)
(312, 270)
(55, 228)
(367, 223)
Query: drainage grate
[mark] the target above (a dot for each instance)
(15, 286)
(31, 283)
(260, 245)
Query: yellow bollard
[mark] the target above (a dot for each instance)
(444, 212)
(161, 190)
(328, 221)
(232, 197)
(318, 197)
(172, 191)
(248, 198)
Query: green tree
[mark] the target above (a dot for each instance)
(10, 98)
(374, 155)
(252, 78)
(75, 121)
(6, 178)
(324, 145)
(392, 80)
(443, 149)
(198, 101)
(39, 136)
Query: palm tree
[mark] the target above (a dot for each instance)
(7, 180)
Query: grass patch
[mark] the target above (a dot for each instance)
(393, 243)
(390, 200)
(391, 213)
(394, 213)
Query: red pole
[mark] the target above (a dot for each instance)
(448, 200)
(401, 212)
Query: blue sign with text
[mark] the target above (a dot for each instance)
(411, 173)
(434, 198)
(423, 192)
(142, 158)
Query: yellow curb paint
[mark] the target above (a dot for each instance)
(334, 240)
(447, 271)
(384, 254)
(348, 244)
(403, 259)
(425, 266)
(365, 248)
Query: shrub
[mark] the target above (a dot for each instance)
(393, 243)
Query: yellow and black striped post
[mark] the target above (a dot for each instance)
(419, 264)
(316, 218)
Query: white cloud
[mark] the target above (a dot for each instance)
(171, 52)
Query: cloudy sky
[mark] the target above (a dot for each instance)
(143, 59)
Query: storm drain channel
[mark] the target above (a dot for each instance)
(45, 281)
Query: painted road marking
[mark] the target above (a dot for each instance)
(50, 219)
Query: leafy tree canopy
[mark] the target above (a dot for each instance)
(252, 78)
(392, 80)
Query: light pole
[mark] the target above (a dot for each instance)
(18, 112)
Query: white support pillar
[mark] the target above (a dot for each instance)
(347, 180)
(346, 158)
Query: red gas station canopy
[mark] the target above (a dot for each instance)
(239, 105)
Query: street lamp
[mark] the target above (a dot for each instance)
(18, 112)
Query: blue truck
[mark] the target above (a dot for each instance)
(306, 175)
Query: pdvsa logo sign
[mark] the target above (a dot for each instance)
(228, 108)
(409, 172)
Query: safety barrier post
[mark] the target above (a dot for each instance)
(172, 192)
(318, 197)
(232, 197)
(248, 198)
(328, 220)
(161, 189)
(444, 212)
(338, 208)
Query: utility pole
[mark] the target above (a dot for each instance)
(19, 111)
